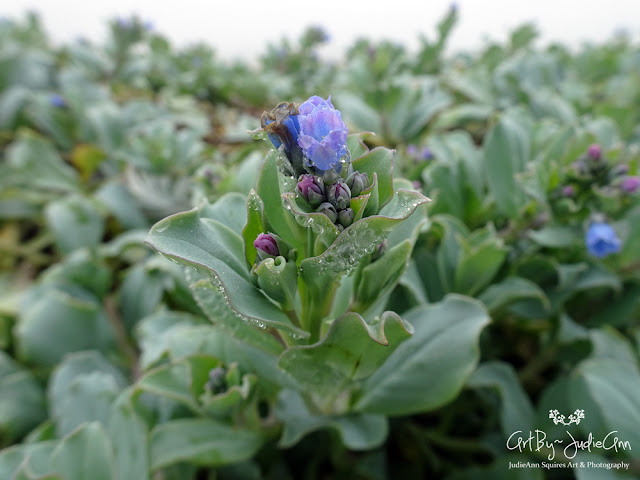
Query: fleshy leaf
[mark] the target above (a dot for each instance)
(201, 441)
(351, 351)
(358, 240)
(254, 226)
(356, 145)
(429, 369)
(128, 433)
(516, 412)
(324, 229)
(378, 161)
(377, 278)
(84, 453)
(358, 431)
(213, 247)
(270, 190)
(215, 305)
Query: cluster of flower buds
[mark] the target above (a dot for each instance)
(592, 168)
(334, 199)
(312, 138)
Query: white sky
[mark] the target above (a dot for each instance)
(244, 27)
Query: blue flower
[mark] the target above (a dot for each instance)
(282, 127)
(601, 239)
(323, 134)
(57, 101)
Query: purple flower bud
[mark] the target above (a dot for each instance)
(601, 239)
(357, 182)
(339, 195)
(630, 184)
(323, 134)
(594, 151)
(311, 188)
(329, 210)
(266, 245)
(380, 249)
(568, 191)
(346, 217)
(57, 101)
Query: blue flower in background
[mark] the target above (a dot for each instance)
(601, 239)
(323, 134)
(57, 101)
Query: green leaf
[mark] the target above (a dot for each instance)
(34, 456)
(233, 399)
(499, 470)
(412, 380)
(462, 115)
(22, 401)
(215, 306)
(421, 98)
(324, 229)
(254, 226)
(54, 323)
(512, 289)
(116, 198)
(378, 161)
(199, 238)
(379, 277)
(34, 163)
(75, 222)
(82, 388)
(608, 342)
(180, 381)
(478, 266)
(356, 112)
(555, 236)
(516, 412)
(351, 351)
(128, 433)
(155, 332)
(89, 398)
(596, 473)
(81, 268)
(270, 189)
(450, 249)
(609, 390)
(358, 240)
(506, 152)
(140, 293)
(85, 453)
(201, 441)
(356, 145)
(359, 431)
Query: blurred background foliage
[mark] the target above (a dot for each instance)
(100, 141)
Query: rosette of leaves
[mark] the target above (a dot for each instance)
(291, 281)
